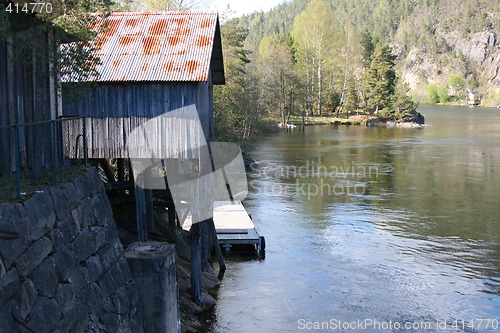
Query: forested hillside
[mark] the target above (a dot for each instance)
(337, 57)
(431, 38)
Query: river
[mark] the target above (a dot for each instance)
(373, 229)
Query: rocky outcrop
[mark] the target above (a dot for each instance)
(477, 53)
(482, 49)
(416, 118)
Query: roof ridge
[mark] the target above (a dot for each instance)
(170, 12)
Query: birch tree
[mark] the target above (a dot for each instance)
(279, 81)
(317, 35)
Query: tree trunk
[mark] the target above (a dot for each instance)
(319, 87)
(346, 77)
(308, 91)
(312, 87)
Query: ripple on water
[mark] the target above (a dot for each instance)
(421, 244)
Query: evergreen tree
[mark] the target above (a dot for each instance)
(235, 103)
(404, 105)
(380, 80)
(368, 48)
(351, 99)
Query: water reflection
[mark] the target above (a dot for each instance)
(421, 241)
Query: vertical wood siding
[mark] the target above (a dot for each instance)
(114, 110)
(25, 96)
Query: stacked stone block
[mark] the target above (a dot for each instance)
(67, 271)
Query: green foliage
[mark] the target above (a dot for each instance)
(432, 93)
(336, 64)
(69, 22)
(235, 104)
(438, 93)
(444, 97)
(278, 81)
(352, 98)
(317, 36)
(380, 79)
(154, 5)
(334, 100)
(456, 82)
(236, 56)
(386, 95)
(368, 48)
(404, 105)
(423, 25)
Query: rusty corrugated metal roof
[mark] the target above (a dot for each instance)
(157, 46)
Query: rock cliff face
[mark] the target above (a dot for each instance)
(482, 49)
(476, 56)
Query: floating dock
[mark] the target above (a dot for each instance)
(234, 226)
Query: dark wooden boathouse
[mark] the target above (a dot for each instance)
(151, 63)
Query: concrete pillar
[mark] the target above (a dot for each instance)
(154, 272)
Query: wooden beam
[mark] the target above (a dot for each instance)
(195, 237)
(148, 197)
(121, 169)
(171, 214)
(140, 214)
(216, 245)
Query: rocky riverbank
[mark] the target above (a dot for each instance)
(417, 120)
(195, 318)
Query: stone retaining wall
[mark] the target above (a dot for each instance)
(67, 271)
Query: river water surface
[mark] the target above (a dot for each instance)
(373, 229)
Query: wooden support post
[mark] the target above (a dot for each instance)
(121, 169)
(171, 214)
(150, 220)
(206, 245)
(195, 236)
(148, 197)
(216, 246)
(140, 214)
(9, 117)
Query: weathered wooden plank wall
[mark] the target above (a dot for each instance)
(114, 110)
(25, 96)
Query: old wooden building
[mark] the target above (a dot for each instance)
(28, 90)
(151, 63)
